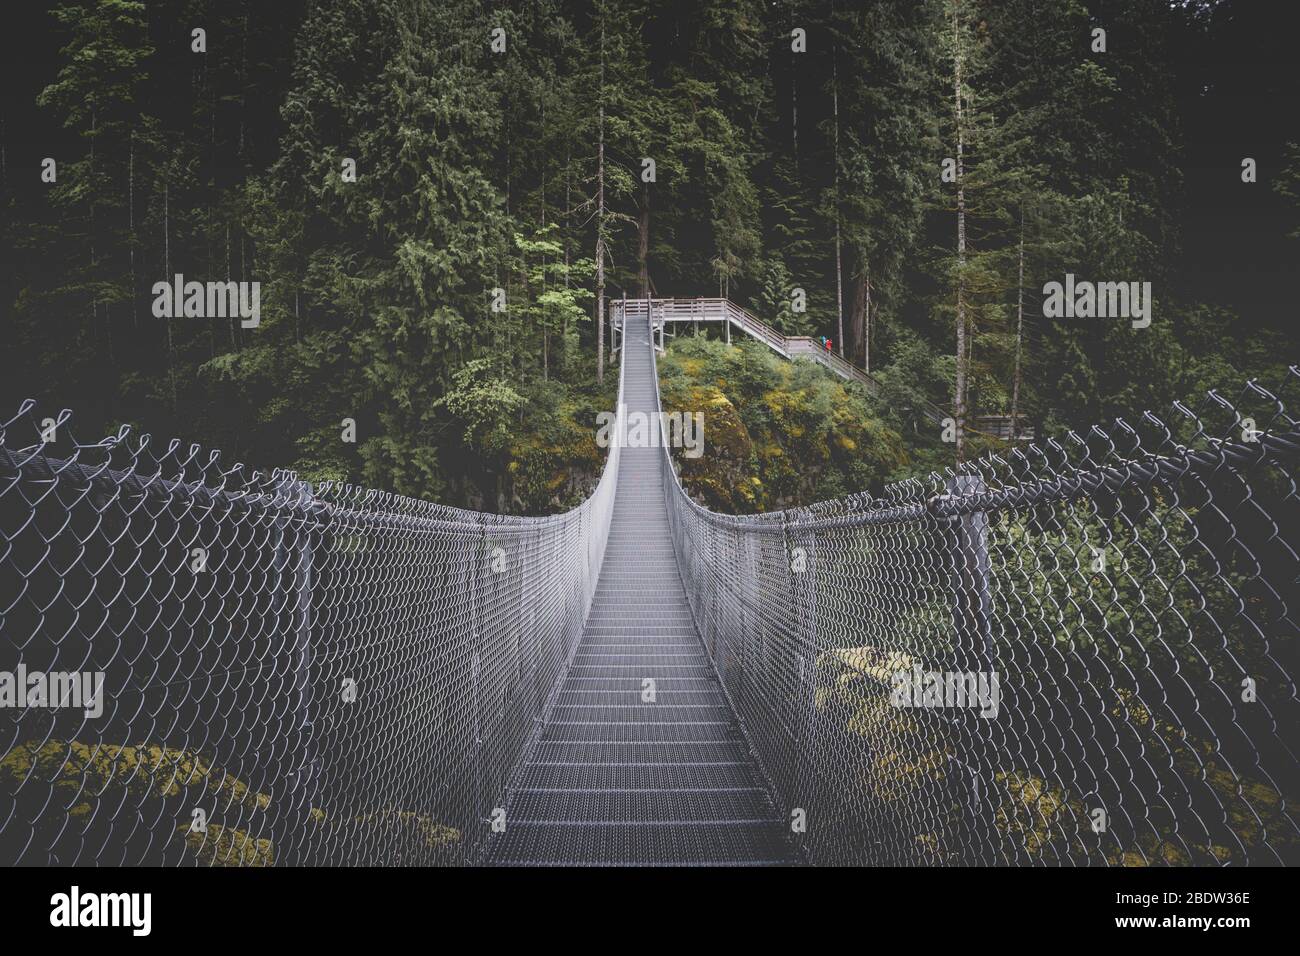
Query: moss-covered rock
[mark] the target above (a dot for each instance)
(135, 804)
(145, 770)
(228, 846)
(433, 842)
(776, 433)
(552, 460)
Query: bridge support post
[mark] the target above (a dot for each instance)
(972, 575)
(971, 584)
(480, 813)
(622, 325)
(801, 561)
(292, 564)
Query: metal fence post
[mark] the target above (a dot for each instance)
(801, 571)
(291, 564)
(622, 324)
(308, 775)
(971, 575)
(972, 595)
(476, 656)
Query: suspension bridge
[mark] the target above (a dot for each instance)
(331, 675)
(641, 759)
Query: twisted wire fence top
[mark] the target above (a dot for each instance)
(240, 669)
(1080, 652)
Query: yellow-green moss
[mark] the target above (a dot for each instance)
(227, 846)
(85, 778)
(144, 770)
(804, 433)
(429, 832)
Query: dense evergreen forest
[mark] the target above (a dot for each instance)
(921, 168)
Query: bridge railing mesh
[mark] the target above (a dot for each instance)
(290, 674)
(1080, 652)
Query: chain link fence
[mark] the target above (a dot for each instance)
(1080, 652)
(210, 667)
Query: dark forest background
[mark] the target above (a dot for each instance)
(522, 170)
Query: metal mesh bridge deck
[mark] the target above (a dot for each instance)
(640, 761)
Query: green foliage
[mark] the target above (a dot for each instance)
(163, 782)
(774, 300)
(478, 171)
(485, 402)
(1288, 184)
(776, 433)
(103, 65)
(554, 462)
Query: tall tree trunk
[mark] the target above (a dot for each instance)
(543, 196)
(600, 257)
(959, 397)
(866, 318)
(600, 222)
(794, 111)
(232, 318)
(839, 265)
(130, 216)
(857, 317)
(212, 326)
(94, 302)
(7, 291)
(839, 290)
(546, 328)
(246, 273)
(243, 83)
(568, 216)
(1020, 325)
(643, 243)
(564, 327)
(212, 189)
(167, 273)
